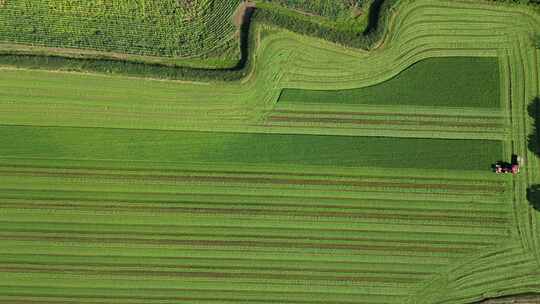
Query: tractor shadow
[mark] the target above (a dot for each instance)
(533, 196)
(533, 142)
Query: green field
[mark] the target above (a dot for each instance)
(442, 81)
(306, 182)
(264, 149)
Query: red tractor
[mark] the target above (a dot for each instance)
(505, 167)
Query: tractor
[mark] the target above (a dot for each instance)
(502, 167)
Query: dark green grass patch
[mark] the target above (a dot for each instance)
(223, 148)
(445, 81)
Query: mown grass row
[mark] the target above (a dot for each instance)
(444, 125)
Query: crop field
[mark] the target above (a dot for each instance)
(167, 28)
(328, 175)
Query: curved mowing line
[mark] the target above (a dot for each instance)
(408, 83)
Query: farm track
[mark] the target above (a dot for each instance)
(74, 233)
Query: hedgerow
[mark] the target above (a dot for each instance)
(379, 14)
(332, 9)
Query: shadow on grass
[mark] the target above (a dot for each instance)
(533, 196)
(245, 30)
(373, 18)
(534, 138)
(533, 192)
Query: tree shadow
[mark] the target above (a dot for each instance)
(533, 196)
(534, 138)
(245, 34)
(373, 17)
